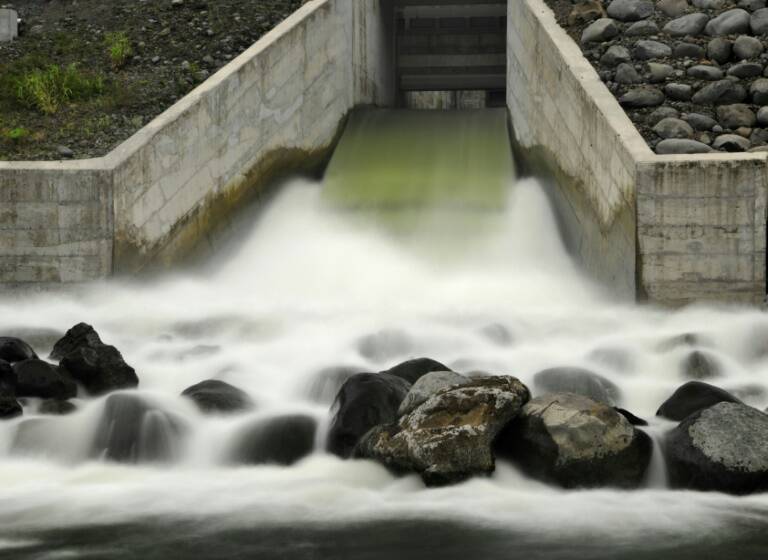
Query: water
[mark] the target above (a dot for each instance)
(489, 290)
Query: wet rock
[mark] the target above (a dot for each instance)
(364, 401)
(705, 72)
(630, 10)
(7, 378)
(746, 70)
(682, 340)
(731, 143)
(578, 381)
(722, 448)
(679, 92)
(673, 128)
(681, 146)
(9, 406)
(599, 31)
(693, 397)
(746, 48)
(427, 386)
(719, 49)
(575, 442)
(730, 22)
(214, 396)
(642, 96)
(615, 55)
(618, 359)
(722, 91)
(385, 345)
(36, 378)
(688, 50)
(700, 122)
(648, 49)
(700, 365)
(15, 350)
(328, 381)
(282, 440)
(758, 22)
(631, 418)
(736, 115)
(448, 438)
(132, 430)
(57, 407)
(691, 24)
(99, 367)
(412, 370)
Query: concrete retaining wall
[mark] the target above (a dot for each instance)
(161, 194)
(672, 229)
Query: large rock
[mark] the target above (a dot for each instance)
(7, 378)
(693, 397)
(36, 378)
(15, 350)
(412, 370)
(729, 23)
(673, 128)
(642, 96)
(682, 146)
(132, 430)
(758, 22)
(282, 440)
(99, 367)
(721, 91)
(449, 437)
(630, 10)
(9, 406)
(579, 381)
(326, 383)
(603, 29)
(722, 448)
(691, 24)
(364, 401)
(648, 49)
(427, 386)
(736, 115)
(575, 442)
(216, 396)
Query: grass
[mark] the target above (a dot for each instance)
(46, 89)
(119, 48)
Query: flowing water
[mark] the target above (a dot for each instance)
(313, 284)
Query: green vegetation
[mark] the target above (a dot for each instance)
(48, 88)
(119, 48)
(16, 135)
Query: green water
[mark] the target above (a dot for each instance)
(390, 158)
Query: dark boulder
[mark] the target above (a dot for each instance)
(427, 386)
(449, 437)
(634, 420)
(575, 442)
(412, 370)
(217, 396)
(7, 378)
(364, 401)
(693, 397)
(56, 407)
(282, 440)
(15, 350)
(36, 378)
(98, 366)
(9, 407)
(722, 448)
(576, 380)
(132, 430)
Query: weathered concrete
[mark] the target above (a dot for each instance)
(9, 25)
(672, 229)
(160, 195)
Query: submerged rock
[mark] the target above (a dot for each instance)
(579, 381)
(9, 407)
(57, 407)
(15, 350)
(282, 440)
(575, 442)
(693, 397)
(385, 345)
(412, 370)
(216, 396)
(328, 381)
(364, 401)
(132, 430)
(36, 378)
(427, 386)
(700, 365)
(448, 438)
(99, 367)
(722, 448)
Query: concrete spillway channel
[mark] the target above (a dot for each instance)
(670, 229)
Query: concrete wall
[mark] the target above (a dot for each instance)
(671, 229)
(164, 193)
